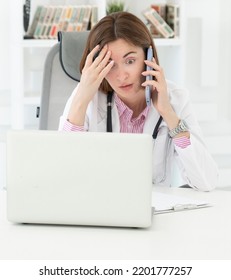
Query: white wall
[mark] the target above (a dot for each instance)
(223, 96)
(4, 46)
(208, 58)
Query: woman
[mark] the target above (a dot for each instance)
(111, 97)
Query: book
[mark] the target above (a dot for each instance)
(50, 23)
(39, 26)
(158, 22)
(86, 18)
(67, 19)
(173, 17)
(161, 10)
(40, 23)
(74, 15)
(94, 16)
(62, 19)
(54, 26)
(79, 21)
(74, 20)
(48, 20)
(32, 27)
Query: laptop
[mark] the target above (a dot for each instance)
(87, 178)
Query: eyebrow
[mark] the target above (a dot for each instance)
(129, 53)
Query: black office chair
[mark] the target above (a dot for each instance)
(61, 75)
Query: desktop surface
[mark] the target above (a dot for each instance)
(193, 234)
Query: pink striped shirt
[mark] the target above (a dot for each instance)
(72, 127)
(128, 124)
(182, 142)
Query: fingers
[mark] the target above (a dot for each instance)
(102, 60)
(106, 70)
(98, 59)
(97, 66)
(91, 56)
(157, 72)
(97, 55)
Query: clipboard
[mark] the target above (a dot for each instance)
(167, 203)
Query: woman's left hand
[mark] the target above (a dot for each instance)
(159, 87)
(160, 96)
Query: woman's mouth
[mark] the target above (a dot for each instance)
(126, 87)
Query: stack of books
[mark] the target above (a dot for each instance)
(164, 20)
(48, 20)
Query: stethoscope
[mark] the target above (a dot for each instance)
(109, 117)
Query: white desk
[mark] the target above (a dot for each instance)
(193, 234)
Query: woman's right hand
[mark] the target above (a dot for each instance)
(93, 73)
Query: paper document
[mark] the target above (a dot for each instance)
(164, 203)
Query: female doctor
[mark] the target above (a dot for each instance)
(111, 97)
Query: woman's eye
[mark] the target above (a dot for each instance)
(130, 61)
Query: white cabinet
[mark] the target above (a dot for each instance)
(28, 56)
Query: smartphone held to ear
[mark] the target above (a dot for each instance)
(149, 77)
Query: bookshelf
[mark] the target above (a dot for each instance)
(28, 56)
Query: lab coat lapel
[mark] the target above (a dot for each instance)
(151, 120)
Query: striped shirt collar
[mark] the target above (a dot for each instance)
(123, 109)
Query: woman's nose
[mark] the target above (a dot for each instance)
(121, 74)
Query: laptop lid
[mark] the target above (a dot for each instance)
(99, 179)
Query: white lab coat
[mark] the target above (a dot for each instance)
(194, 163)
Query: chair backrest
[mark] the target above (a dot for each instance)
(60, 76)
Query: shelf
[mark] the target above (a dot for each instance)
(39, 43)
(167, 42)
(33, 43)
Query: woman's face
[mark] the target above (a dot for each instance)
(125, 76)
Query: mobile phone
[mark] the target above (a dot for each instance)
(149, 57)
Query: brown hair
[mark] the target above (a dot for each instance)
(119, 25)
